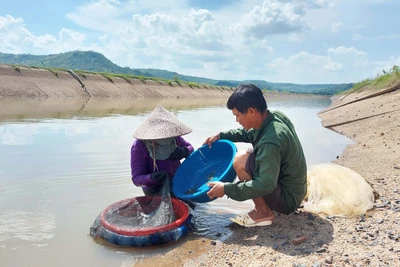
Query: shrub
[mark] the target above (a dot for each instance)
(193, 84)
(108, 77)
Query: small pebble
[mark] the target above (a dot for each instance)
(299, 240)
(329, 259)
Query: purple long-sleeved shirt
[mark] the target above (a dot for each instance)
(142, 163)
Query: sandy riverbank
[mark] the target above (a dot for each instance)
(370, 240)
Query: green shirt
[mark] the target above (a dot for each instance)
(279, 158)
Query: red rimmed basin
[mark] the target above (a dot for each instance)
(180, 209)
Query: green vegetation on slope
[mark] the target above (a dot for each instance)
(127, 77)
(96, 62)
(386, 79)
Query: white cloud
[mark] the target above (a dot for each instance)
(321, 3)
(340, 50)
(156, 23)
(393, 36)
(194, 33)
(386, 65)
(333, 66)
(12, 31)
(167, 41)
(357, 37)
(71, 36)
(15, 38)
(350, 57)
(273, 17)
(390, 37)
(338, 64)
(308, 66)
(336, 26)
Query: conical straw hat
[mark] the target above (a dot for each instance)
(159, 125)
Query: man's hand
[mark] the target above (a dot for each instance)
(159, 177)
(217, 190)
(179, 153)
(211, 140)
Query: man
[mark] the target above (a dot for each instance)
(273, 173)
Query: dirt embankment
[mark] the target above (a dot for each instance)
(40, 93)
(372, 119)
(21, 82)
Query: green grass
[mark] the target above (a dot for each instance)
(386, 79)
(53, 71)
(16, 68)
(176, 79)
(80, 73)
(357, 87)
(142, 79)
(107, 76)
(125, 77)
(193, 84)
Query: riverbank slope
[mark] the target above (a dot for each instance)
(24, 82)
(371, 118)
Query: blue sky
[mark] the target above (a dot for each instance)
(297, 41)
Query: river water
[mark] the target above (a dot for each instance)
(63, 162)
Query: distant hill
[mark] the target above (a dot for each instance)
(96, 62)
(323, 89)
(170, 75)
(76, 60)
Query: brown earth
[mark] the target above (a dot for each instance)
(23, 82)
(372, 119)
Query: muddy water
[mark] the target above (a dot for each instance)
(63, 162)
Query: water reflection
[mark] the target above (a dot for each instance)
(33, 109)
(36, 226)
(319, 102)
(62, 162)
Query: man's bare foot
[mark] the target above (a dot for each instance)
(258, 216)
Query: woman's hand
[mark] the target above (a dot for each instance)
(159, 177)
(179, 153)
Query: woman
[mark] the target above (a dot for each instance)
(158, 149)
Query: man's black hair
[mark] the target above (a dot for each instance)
(247, 96)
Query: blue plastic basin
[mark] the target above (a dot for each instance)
(203, 166)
